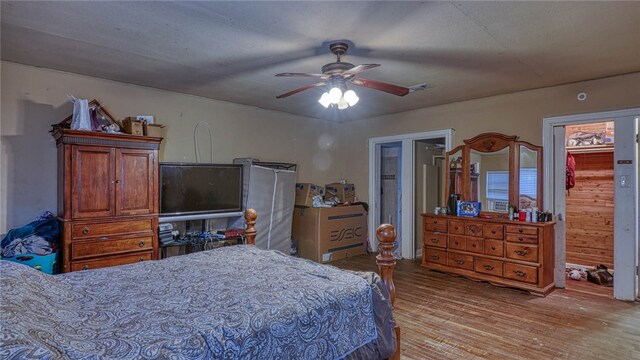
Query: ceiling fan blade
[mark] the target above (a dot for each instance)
(378, 85)
(360, 68)
(300, 89)
(323, 76)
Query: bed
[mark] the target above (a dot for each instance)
(236, 302)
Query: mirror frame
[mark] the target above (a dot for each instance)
(490, 142)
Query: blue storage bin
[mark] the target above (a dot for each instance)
(45, 263)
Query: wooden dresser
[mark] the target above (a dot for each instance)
(502, 252)
(107, 198)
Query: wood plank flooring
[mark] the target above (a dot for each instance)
(447, 317)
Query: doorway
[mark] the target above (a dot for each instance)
(393, 181)
(429, 182)
(589, 204)
(625, 189)
(391, 191)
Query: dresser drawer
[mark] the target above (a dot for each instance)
(433, 223)
(456, 227)
(493, 231)
(111, 228)
(522, 252)
(488, 266)
(494, 247)
(435, 239)
(460, 261)
(109, 261)
(473, 229)
(522, 239)
(474, 245)
(435, 256)
(457, 242)
(106, 247)
(521, 273)
(521, 229)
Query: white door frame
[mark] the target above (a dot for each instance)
(626, 213)
(407, 183)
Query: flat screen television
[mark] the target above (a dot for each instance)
(199, 191)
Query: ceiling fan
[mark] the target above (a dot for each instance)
(336, 75)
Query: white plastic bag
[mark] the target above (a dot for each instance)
(81, 120)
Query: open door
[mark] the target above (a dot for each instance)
(559, 202)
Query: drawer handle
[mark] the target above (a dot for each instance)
(520, 273)
(521, 252)
(459, 261)
(488, 267)
(456, 228)
(141, 244)
(520, 238)
(493, 248)
(86, 267)
(493, 231)
(141, 259)
(457, 243)
(85, 231)
(435, 221)
(520, 231)
(435, 257)
(435, 241)
(474, 245)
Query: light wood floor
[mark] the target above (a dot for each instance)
(447, 317)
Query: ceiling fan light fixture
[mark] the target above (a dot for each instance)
(342, 104)
(350, 97)
(335, 95)
(325, 100)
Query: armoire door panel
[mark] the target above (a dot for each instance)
(93, 186)
(134, 182)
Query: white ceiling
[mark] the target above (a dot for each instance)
(232, 50)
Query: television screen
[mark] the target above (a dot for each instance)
(187, 189)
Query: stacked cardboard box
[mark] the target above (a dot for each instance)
(327, 234)
(346, 193)
(305, 193)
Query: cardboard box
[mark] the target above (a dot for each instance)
(344, 192)
(132, 126)
(154, 130)
(305, 193)
(328, 234)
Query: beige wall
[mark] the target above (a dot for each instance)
(33, 98)
(513, 114)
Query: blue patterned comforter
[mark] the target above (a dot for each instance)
(235, 302)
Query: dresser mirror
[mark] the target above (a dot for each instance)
(492, 185)
(454, 183)
(529, 176)
(496, 170)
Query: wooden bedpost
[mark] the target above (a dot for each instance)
(250, 232)
(386, 235)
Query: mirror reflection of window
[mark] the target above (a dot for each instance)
(528, 187)
(497, 191)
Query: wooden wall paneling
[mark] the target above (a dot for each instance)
(590, 211)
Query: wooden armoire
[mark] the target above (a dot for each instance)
(107, 198)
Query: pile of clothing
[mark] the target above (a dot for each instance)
(35, 244)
